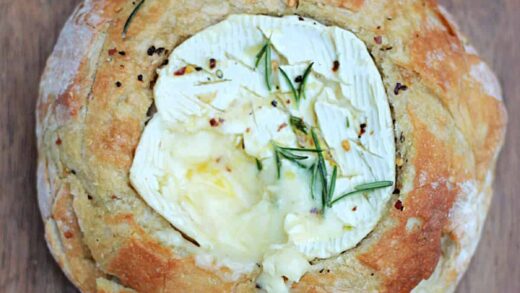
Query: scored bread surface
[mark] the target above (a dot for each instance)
(93, 106)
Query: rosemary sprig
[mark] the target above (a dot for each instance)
(301, 89)
(131, 17)
(298, 123)
(291, 85)
(363, 188)
(289, 154)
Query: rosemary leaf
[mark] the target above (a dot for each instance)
(301, 89)
(298, 123)
(268, 65)
(324, 190)
(291, 156)
(373, 185)
(313, 180)
(348, 123)
(363, 188)
(291, 85)
(259, 165)
(332, 183)
(304, 150)
(200, 83)
(321, 160)
(322, 169)
(260, 55)
(278, 164)
(131, 17)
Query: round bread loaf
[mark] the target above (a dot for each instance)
(97, 96)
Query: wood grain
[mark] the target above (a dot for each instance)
(28, 31)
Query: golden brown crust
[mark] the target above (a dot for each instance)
(148, 267)
(408, 255)
(106, 286)
(450, 124)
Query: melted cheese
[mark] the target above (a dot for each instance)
(197, 161)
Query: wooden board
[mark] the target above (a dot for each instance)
(28, 31)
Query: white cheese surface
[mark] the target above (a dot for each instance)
(197, 161)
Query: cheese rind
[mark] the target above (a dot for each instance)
(207, 163)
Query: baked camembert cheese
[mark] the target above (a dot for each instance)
(272, 145)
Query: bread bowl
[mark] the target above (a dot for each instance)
(438, 111)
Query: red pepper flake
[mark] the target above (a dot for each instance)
(68, 234)
(288, 101)
(282, 126)
(399, 87)
(213, 122)
(180, 72)
(212, 63)
(58, 141)
(354, 209)
(399, 205)
(112, 51)
(378, 40)
(335, 66)
(362, 129)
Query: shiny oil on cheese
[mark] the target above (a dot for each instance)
(206, 160)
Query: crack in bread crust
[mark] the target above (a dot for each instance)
(446, 113)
